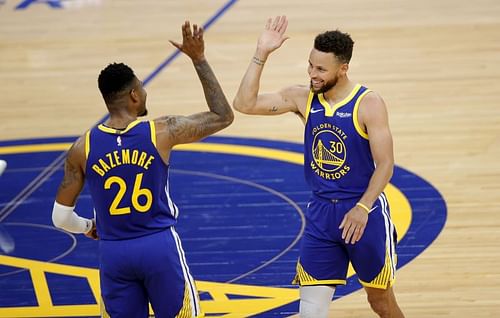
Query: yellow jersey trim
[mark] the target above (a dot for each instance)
(153, 132)
(330, 110)
(116, 131)
(309, 102)
(303, 278)
(378, 286)
(385, 277)
(87, 144)
(186, 310)
(360, 130)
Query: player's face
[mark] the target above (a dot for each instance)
(324, 71)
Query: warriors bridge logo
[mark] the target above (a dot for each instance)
(329, 152)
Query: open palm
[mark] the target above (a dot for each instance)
(274, 34)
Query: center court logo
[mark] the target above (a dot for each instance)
(329, 152)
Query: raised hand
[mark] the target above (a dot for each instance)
(193, 44)
(273, 35)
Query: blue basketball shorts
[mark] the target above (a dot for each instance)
(149, 269)
(324, 255)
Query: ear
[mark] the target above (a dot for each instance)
(133, 95)
(344, 68)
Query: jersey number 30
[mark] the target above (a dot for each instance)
(137, 192)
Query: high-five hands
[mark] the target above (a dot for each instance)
(193, 44)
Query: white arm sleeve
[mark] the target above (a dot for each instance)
(65, 218)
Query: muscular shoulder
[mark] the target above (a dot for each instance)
(168, 128)
(297, 94)
(76, 154)
(163, 125)
(372, 107)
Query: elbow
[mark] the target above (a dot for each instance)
(229, 118)
(240, 106)
(226, 118)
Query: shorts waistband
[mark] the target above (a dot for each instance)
(330, 200)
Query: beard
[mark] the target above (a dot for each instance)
(325, 88)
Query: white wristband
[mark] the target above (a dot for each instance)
(65, 218)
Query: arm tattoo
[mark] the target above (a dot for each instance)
(71, 174)
(187, 129)
(216, 100)
(258, 61)
(273, 109)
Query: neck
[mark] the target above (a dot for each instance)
(343, 87)
(119, 121)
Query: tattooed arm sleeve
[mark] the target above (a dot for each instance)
(186, 129)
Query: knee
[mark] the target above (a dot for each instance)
(310, 309)
(380, 305)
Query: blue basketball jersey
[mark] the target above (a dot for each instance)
(338, 163)
(128, 181)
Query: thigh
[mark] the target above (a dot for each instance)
(122, 292)
(373, 257)
(323, 258)
(169, 283)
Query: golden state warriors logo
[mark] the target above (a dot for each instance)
(329, 152)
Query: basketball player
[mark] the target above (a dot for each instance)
(348, 160)
(125, 162)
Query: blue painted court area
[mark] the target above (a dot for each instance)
(241, 217)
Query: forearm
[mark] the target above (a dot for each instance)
(214, 95)
(246, 97)
(65, 218)
(379, 180)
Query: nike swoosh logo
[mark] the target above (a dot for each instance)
(316, 110)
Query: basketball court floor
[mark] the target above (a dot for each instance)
(241, 193)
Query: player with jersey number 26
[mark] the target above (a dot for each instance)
(125, 162)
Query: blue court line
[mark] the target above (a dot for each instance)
(54, 166)
(267, 189)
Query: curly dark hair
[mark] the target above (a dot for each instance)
(336, 42)
(113, 79)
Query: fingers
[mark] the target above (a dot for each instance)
(279, 24)
(268, 23)
(352, 228)
(352, 233)
(187, 34)
(282, 25)
(275, 23)
(200, 33)
(186, 30)
(197, 31)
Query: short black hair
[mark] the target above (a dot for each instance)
(336, 42)
(113, 79)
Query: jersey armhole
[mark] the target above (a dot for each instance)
(153, 132)
(87, 144)
(355, 120)
(308, 105)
